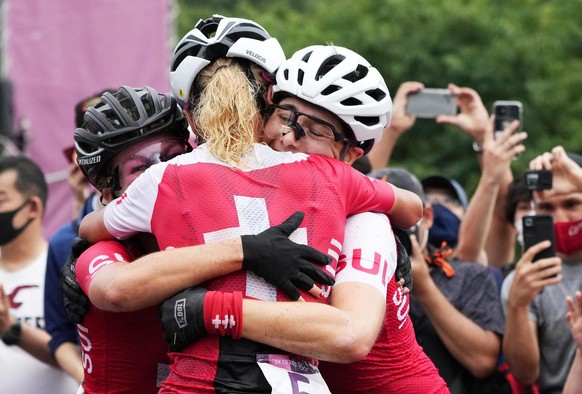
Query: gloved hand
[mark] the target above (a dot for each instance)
(403, 264)
(75, 301)
(282, 262)
(182, 317)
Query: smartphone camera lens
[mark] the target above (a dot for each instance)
(528, 222)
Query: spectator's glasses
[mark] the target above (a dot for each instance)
(313, 127)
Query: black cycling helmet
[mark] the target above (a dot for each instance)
(120, 120)
(217, 37)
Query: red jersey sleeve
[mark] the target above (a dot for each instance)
(96, 257)
(358, 192)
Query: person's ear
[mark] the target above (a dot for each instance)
(353, 154)
(36, 207)
(269, 95)
(428, 215)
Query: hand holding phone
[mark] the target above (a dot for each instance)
(430, 102)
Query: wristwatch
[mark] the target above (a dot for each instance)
(12, 335)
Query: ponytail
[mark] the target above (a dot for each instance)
(226, 111)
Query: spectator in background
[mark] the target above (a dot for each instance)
(64, 343)
(487, 206)
(456, 314)
(449, 203)
(25, 359)
(77, 182)
(537, 343)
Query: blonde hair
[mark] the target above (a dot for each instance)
(226, 112)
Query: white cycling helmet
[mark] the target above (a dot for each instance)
(344, 83)
(217, 37)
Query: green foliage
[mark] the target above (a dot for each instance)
(529, 50)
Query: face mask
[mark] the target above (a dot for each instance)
(445, 227)
(7, 230)
(568, 237)
(518, 224)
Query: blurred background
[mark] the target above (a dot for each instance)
(528, 50)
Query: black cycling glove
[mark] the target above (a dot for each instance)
(403, 263)
(75, 301)
(182, 317)
(282, 262)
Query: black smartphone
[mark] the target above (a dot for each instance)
(537, 229)
(430, 102)
(538, 180)
(505, 112)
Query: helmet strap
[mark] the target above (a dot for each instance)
(347, 146)
(114, 183)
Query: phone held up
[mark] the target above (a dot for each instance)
(538, 228)
(505, 112)
(430, 102)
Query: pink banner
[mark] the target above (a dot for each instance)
(60, 51)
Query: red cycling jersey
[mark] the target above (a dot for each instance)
(122, 352)
(396, 363)
(195, 199)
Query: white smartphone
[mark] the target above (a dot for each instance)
(430, 103)
(505, 112)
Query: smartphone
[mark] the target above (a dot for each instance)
(538, 180)
(505, 112)
(430, 103)
(537, 229)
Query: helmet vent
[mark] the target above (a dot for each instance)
(300, 76)
(307, 56)
(128, 105)
(148, 105)
(368, 120)
(328, 65)
(376, 94)
(359, 73)
(351, 102)
(112, 118)
(330, 89)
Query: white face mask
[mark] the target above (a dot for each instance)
(518, 224)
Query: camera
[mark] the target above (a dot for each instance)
(538, 180)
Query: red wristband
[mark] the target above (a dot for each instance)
(223, 313)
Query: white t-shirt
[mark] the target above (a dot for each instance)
(19, 371)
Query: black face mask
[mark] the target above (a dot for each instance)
(7, 231)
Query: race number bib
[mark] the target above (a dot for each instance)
(291, 375)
